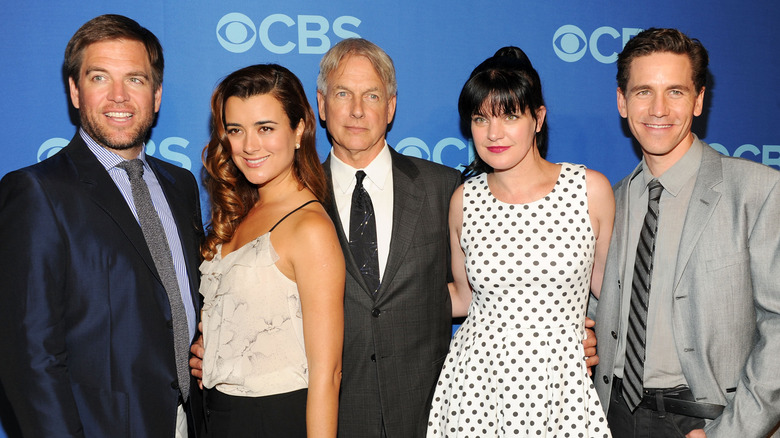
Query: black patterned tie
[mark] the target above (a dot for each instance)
(154, 234)
(633, 371)
(362, 234)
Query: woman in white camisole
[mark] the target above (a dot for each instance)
(273, 276)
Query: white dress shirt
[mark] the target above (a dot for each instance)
(379, 185)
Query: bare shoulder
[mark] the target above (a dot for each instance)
(457, 195)
(597, 183)
(308, 232)
(456, 200)
(456, 208)
(307, 225)
(601, 200)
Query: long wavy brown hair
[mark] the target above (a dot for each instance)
(232, 196)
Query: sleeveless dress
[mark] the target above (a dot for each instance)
(516, 366)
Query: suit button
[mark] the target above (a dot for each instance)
(614, 334)
(373, 358)
(175, 384)
(169, 324)
(376, 312)
(606, 380)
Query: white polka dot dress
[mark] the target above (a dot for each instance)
(516, 366)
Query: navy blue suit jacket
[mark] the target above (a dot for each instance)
(87, 339)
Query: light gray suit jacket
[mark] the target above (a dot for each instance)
(395, 345)
(726, 309)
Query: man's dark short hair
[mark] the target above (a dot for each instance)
(655, 40)
(112, 27)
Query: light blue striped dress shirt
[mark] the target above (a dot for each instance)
(109, 160)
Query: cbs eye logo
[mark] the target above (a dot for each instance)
(50, 147)
(570, 43)
(237, 33)
(458, 154)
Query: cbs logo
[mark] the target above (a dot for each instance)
(571, 43)
(166, 151)
(769, 153)
(237, 33)
(416, 147)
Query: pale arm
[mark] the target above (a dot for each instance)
(318, 264)
(601, 207)
(460, 289)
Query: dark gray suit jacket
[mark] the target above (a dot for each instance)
(394, 346)
(726, 308)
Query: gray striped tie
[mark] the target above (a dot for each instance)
(633, 371)
(154, 234)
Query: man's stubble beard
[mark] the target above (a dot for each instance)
(99, 134)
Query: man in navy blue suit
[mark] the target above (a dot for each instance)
(88, 330)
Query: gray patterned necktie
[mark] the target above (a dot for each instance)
(633, 372)
(154, 234)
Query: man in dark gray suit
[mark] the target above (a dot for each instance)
(689, 314)
(396, 335)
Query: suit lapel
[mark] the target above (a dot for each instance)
(101, 188)
(407, 203)
(352, 267)
(621, 223)
(700, 208)
(178, 203)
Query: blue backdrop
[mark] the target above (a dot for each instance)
(435, 45)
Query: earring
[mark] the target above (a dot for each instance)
(297, 145)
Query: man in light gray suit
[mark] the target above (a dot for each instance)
(689, 326)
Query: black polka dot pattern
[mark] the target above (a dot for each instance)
(516, 365)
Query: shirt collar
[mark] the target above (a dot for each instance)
(378, 170)
(681, 172)
(107, 158)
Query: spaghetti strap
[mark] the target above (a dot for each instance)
(285, 216)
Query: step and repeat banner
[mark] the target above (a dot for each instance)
(434, 44)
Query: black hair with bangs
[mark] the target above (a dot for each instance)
(505, 83)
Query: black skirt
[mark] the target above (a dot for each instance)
(278, 415)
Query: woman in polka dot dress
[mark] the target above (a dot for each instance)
(529, 239)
